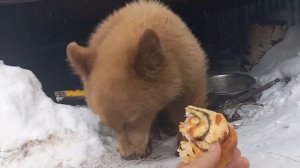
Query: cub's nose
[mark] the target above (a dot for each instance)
(136, 156)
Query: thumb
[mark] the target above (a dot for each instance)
(209, 159)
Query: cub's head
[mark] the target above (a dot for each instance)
(127, 82)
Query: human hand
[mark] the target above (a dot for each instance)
(210, 159)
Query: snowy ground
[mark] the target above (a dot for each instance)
(269, 135)
(35, 132)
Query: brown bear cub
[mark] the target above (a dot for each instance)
(141, 63)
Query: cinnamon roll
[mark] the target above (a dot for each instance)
(202, 128)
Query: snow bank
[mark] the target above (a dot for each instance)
(269, 135)
(281, 60)
(36, 132)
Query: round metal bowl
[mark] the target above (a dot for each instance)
(230, 84)
(227, 86)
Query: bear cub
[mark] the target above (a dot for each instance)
(142, 64)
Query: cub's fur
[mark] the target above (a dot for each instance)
(142, 62)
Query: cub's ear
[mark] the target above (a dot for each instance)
(149, 60)
(80, 59)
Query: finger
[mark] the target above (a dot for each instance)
(181, 165)
(237, 153)
(241, 162)
(235, 159)
(238, 161)
(244, 162)
(209, 159)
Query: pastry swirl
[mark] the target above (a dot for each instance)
(201, 128)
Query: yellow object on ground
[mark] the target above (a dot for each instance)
(72, 93)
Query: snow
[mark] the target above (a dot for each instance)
(281, 61)
(36, 132)
(269, 135)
